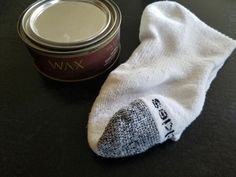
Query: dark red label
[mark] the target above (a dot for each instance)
(62, 67)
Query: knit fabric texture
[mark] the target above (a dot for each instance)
(131, 130)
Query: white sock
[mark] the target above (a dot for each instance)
(161, 89)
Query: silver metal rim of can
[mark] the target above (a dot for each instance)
(84, 79)
(109, 31)
(33, 14)
(75, 52)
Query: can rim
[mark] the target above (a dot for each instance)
(45, 6)
(76, 49)
(115, 17)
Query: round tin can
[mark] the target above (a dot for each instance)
(71, 40)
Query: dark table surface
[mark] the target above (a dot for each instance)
(43, 123)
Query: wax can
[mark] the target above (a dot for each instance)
(71, 40)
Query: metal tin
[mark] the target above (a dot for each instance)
(71, 40)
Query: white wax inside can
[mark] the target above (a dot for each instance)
(68, 22)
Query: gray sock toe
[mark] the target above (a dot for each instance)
(131, 130)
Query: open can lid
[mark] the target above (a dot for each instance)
(68, 23)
